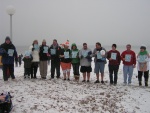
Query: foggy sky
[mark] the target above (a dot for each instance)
(91, 21)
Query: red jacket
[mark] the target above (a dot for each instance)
(118, 57)
(128, 54)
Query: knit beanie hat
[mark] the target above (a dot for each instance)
(44, 40)
(7, 38)
(66, 43)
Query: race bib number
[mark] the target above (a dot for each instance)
(10, 52)
(74, 54)
(45, 49)
(142, 58)
(99, 56)
(66, 54)
(84, 53)
(53, 51)
(113, 56)
(127, 58)
(36, 47)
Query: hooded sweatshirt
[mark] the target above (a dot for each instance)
(76, 53)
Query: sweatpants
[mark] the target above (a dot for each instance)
(43, 68)
(11, 71)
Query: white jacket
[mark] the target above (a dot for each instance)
(35, 54)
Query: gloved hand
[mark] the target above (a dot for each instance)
(32, 49)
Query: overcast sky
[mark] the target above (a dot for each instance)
(91, 21)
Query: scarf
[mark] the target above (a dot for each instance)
(143, 53)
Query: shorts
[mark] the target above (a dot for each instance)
(65, 66)
(99, 67)
(87, 69)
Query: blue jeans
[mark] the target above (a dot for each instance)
(127, 72)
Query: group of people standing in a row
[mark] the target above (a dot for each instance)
(79, 59)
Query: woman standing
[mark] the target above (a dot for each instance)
(35, 62)
(143, 65)
(75, 61)
(65, 60)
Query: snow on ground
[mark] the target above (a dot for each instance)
(59, 96)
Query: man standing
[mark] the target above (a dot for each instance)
(55, 50)
(85, 55)
(43, 53)
(8, 56)
(114, 61)
(129, 60)
(100, 60)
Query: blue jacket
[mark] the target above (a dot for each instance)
(8, 52)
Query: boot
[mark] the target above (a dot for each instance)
(140, 83)
(146, 83)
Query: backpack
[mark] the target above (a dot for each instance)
(6, 106)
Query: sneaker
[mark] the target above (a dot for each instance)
(58, 77)
(97, 81)
(24, 76)
(87, 81)
(83, 80)
(102, 82)
(64, 78)
(68, 79)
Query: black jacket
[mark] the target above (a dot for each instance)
(43, 54)
(55, 57)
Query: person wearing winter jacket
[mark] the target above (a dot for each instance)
(34, 48)
(114, 61)
(100, 60)
(129, 62)
(66, 61)
(43, 53)
(27, 63)
(75, 61)
(143, 65)
(85, 55)
(55, 50)
(9, 53)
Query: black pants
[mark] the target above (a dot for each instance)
(113, 69)
(76, 68)
(27, 71)
(11, 71)
(146, 75)
(55, 65)
(34, 68)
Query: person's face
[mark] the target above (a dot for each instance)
(43, 43)
(73, 47)
(98, 46)
(113, 48)
(128, 47)
(66, 47)
(142, 50)
(85, 46)
(7, 41)
(54, 42)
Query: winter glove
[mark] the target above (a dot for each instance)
(32, 49)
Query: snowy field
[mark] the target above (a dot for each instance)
(59, 96)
